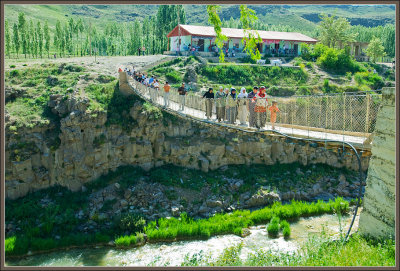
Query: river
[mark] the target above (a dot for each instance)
(173, 254)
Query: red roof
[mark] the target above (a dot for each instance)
(208, 31)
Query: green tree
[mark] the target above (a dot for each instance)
(7, 38)
(375, 49)
(213, 19)
(22, 32)
(81, 28)
(251, 38)
(46, 38)
(16, 39)
(334, 32)
(40, 38)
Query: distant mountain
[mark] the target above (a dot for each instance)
(306, 16)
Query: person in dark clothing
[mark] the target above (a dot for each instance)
(209, 95)
(182, 94)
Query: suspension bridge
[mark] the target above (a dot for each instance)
(345, 117)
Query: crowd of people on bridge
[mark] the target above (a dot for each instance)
(230, 105)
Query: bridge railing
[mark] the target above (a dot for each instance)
(351, 114)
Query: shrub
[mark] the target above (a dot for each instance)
(12, 66)
(9, 244)
(14, 73)
(174, 77)
(99, 140)
(132, 223)
(369, 78)
(273, 228)
(303, 90)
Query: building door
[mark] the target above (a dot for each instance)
(296, 48)
(201, 45)
(259, 47)
(357, 50)
(277, 46)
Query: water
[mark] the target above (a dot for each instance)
(173, 254)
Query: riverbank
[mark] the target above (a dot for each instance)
(257, 249)
(175, 229)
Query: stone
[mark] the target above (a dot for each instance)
(117, 185)
(262, 198)
(245, 232)
(204, 209)
(213, 203)
(123, 203)
(127, 193)
(237, 185)
(175, 211)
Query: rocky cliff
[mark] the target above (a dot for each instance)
(79, 147)
(377, 218)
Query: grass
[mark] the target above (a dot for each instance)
(273, 227)
(318, 250)
(30, 109)
(129, 240)
(232, 223)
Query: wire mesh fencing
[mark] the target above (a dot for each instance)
(346, 116)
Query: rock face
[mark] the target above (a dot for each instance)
(377, 218)
(84, 148)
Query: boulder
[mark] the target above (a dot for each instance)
(262, 198)
(175, 211)
(213, 203)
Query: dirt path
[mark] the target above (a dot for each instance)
(104, 64)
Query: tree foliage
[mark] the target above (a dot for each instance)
(7, 38)
(375, 49)
(334, 32)
(213, 19)
(251, 38)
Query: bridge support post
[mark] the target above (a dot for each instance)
(377, 219)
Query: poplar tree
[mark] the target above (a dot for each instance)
(22, 31)
(7, 38)
(30, 39)
(47, 38)
(16, 38)
(40, 39)
(80, 28)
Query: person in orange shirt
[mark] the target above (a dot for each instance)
(273, 109)
(167, 87)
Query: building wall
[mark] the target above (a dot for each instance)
(185, 40)
(377, 219)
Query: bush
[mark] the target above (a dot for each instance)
(14, 73)
(273, 227)
(370, 79)
(303, 90)
(306, 51)
(174, 77)
(12, 66)
(132, 223)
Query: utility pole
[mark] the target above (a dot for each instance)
(179, 33)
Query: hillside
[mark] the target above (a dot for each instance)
(305, 16)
